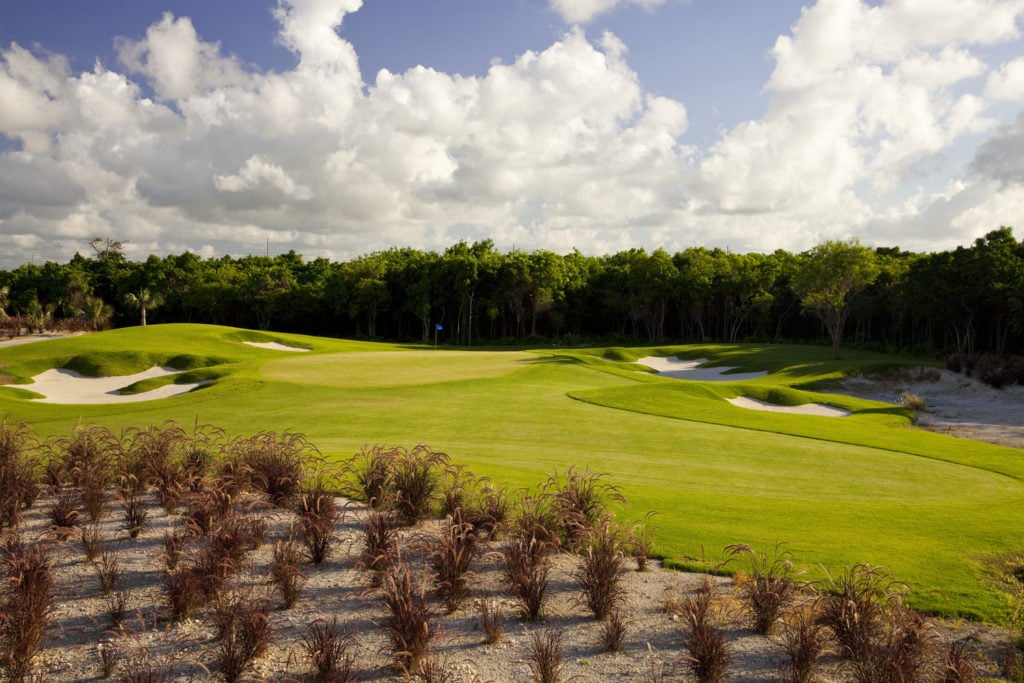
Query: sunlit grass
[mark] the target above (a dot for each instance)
(838, 491)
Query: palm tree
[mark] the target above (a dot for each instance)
(96, 311)
(144, 300)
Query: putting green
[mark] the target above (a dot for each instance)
(397, 368)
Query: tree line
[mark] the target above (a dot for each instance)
(967, 300)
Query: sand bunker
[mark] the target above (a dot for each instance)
(275, 346)
(68, 387)
(819, 409)
(677, 368)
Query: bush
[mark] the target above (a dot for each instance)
(26, 601)
(285, 573)
(803, 639)
(707, 653)
(318, 516)
(243, 633)
(451, 553)
(63, 514)
(275, 463)
(768, 587)
(416, 482)
(855, 606)
(18, 478)
(526, 570)
(599, 572)
(613, 632)
(380, 544)
(327, 645)
(408, 627)
(581, 500)
(546, 655)
(491, 621)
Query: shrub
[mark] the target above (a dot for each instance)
(488, 511)
(707, 653)
(546, 655)
(374, 469)
(416, 480)
(117, 604)
(452, 551)
(18, 479)
(63, 514)
(408, 627)
(26, 600)
(803, 640)
(108, 570)
(135, 512)
(174, 542)
(91, 541)
(642, 542)
(902, 652)
(538, 517)
(491, 621)
(855, 606)
(581, 500)
(912, 401)
(436, 667)
(959, 666)
(151, 455)
(768, 586)
(275, 463)
(526, 570)
(85, 459)
(318, 516)
(243, 633)
(380, 544)
(613, 632)
(285, 573)
(599, 572)
(327, 645)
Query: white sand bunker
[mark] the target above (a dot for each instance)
(819, 409)
(275, 346)
(676, 368)
(68, 387)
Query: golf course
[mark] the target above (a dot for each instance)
(936, 511)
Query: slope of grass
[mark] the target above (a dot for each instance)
(838, 491)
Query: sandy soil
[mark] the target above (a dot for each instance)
(954, 404)
(337, 588)
(64, 386)
(276, 346)
(671, 366)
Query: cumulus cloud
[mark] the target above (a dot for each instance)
(1008, 82)
(584, 11)
(859, 93)
(182, 146)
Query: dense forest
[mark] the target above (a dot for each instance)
(968, 300)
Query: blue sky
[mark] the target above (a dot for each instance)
(220, 126)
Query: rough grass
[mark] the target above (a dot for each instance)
(859, 489)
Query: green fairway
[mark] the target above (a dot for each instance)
(865, 488)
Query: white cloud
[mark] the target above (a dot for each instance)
(584, 11)
(1008, 82)
(860, 94)
(258, 174)
(559, 148)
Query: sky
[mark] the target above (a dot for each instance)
(336, 128)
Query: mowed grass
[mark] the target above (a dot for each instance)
(932, 509)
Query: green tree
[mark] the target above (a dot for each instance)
(142, 301)
(96, 311)
(828, 279)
